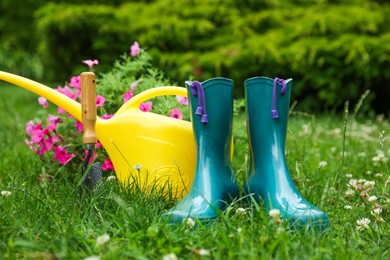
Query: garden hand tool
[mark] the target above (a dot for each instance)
(164, 146)
(211, 111)
(267, 106)
(88, 106)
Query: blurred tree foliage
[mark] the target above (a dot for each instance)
(334, 49)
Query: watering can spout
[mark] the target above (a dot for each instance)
(69, 105)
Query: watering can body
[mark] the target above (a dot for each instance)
(149, 150)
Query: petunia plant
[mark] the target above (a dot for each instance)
(58, 139)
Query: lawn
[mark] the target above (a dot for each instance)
(338, 162)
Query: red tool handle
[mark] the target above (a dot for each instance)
(88, 106)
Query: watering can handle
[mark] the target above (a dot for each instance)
(136, 101)
(88, 106)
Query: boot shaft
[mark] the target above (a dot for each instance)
(211, 114)
(267, 107)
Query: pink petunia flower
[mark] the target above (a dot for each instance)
(60, 110)
(67, 92)
(146, 106)
(54, 119)
(175, 113)
(182, 100)
(53, 122)
(127, 96)
(98, 144)
(134, 85)
(79, 126)
(45, 145)
(107, 165)
(92, 158)
(107, 116)
(91, 63)
(62, 155)
(100, 101)
(42, 101)
(29, 143)
(75, 83)
(38, 135)
(134, 49)
(30, 127)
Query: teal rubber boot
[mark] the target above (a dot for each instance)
(267, 107)
(211, 108)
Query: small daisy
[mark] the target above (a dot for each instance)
(240, 211)
(189, 222)
(170, 256)
(6, 193)
(111, 178)
(137, 167)
(372, 198)
(275, 215)
(101, 240)
(322, 164)
(362, 224)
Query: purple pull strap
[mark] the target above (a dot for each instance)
(197, 91)
(277, 81)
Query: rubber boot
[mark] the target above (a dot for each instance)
(211, 111)
(267, 107)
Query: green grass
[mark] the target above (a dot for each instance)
(52, 220)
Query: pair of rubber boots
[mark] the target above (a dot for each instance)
(267, 106)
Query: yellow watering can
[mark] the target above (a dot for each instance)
(147, 149)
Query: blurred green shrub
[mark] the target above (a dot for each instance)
(334, 50)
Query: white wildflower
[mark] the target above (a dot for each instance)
(348, 207)
(336, 131)
(362, 154)
(240, 211)
(353, 183)
(368, 173)
(93, 257)
(380, 157)
(101, 240)
(369, 184)
(361, 181)
(203, 252)
(111, 178)
(376, 211)
(362, 224)
(189, 222)
(349, 175)
(297, 168)
(306, 128)
(6, 193)
(322, 164)
(349, 193)
(372, 198)
(274, 213)
(137, 167)
(239, 230)
(364, 194)
(378, 174)
(170, 256)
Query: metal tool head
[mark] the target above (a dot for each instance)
(94, 175)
